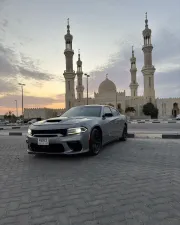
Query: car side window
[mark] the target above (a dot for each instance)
(107, 110)
(115, 112)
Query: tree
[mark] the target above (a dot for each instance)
(130, 109)
(150, 110)
(10, 116)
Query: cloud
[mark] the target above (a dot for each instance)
(166, 46)
(166, 58)
(7, 86)
(168, 83)
(13, 65)
(30, 101)
(3, 25)
(34, 74)
(3, 3)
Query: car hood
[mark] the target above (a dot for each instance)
(63, 121)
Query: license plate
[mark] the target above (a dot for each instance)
(43, 141)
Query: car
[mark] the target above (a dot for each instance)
(32, 121)
(81, 129)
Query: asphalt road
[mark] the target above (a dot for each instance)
(137, 128)
(133, 182)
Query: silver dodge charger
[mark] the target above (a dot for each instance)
(80, 129)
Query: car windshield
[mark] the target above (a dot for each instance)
(89, 111)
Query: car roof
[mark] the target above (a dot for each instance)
(94, 105)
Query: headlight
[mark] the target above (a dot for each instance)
(29, 132)
(76, 130)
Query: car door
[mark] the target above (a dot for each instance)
(118, 122)
(107, 125)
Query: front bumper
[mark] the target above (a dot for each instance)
(68, 145)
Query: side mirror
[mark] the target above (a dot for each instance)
(108, 115)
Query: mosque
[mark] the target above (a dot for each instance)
(107, 91)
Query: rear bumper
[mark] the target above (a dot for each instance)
(70, 145)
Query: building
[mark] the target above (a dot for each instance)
(107, 92)
(43, 113)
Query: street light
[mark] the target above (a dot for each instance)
(87, 85)
(116, 99)
(22, 85)
(16, 108)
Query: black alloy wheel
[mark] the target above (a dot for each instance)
(95, 143)
(124, 134)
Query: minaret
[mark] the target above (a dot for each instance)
(133, 85)
(79, 87)
(69, 73)
(148, 69)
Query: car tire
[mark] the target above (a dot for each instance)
(124, 134)
(95, 142)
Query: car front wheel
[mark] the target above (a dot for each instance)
(124, 134)
(95, 142)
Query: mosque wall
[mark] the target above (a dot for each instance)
(168, 107)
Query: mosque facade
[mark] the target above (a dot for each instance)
(107, 92)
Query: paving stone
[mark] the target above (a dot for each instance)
(135, 182)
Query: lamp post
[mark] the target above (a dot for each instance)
(16, 108)
(22, 85)
(87, 85)
(116, 99)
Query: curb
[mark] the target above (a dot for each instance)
(12, 134)
(136, 122)
(130, 135)
(154, 136)
(8, 128)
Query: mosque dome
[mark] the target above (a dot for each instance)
(107, 86)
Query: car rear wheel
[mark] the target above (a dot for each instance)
(95, 142)
(124, 134)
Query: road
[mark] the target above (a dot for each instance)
(137, 128)
(133, 182)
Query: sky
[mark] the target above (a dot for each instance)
(32, 45)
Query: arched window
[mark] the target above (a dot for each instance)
(79, 69)
(68, 44)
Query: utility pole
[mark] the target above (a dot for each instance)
(16, 109)
(22, 85)
(87, 85)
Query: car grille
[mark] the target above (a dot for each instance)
(46, 132)
(45, 135)
(54, 148)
